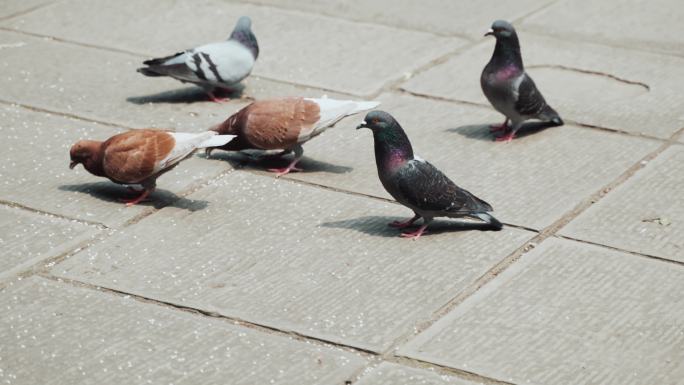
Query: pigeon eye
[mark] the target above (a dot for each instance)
(376, 121)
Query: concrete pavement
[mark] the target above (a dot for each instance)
(231, 276)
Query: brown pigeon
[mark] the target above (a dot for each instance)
(139, 157)
(285, 124)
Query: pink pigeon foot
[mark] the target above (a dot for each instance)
(134, 201)
(401, 225)
(290, 167)
(216, 99)
(505, 137)
(416, 234)
(285, 170)
(499, 127)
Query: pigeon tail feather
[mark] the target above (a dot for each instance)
(216, 140)
(161, 60)
(493, 223)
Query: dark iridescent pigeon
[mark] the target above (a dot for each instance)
(509, 88)
(211, 66)
(417, 184)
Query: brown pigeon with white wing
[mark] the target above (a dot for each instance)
(139, 157)
(285, 124)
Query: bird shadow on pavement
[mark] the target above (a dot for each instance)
(481, 131)
(186, 95)
(111, 192)
(377, 226)
(256, 162)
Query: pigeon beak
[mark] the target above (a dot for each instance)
(362, 125)
(490, 32)
(73, 164)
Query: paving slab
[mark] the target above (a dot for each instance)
(653, 25)
(531, 181)
(27, 237)
(10, 8)
(470, 18)
(393, 374)
(294, 257)
(645, 214)
(83, 336)
(567, 313)
(307, 49)
(587, 83)
(34, 170)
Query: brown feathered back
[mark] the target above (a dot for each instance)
(131, 157)
(273, 124)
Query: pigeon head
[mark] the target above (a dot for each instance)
(501, 29)
(507, 49)
(88, 153)
(391, 142)
(243, 33)
(378, 121)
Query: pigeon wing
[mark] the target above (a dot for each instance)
(530, 101)
(133, 156)
(278, 123)
(425, 187)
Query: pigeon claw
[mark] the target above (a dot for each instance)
(505, 137)
(135, 201)
(416, 234)
(285, 170)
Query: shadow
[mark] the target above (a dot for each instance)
(377, 226)
(112, 192)
(186, 95)
(481, 131)
(256, 160)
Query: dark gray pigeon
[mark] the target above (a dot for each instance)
(211, 66)
(509, 88)
(417, 184)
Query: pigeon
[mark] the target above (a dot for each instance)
(139, 157)
(285, 124)
(509, 89)
(417, 184)
(211, 66)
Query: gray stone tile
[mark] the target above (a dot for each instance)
(470, 17)
(294, 257)
(653, 25)
(645, 214)
(34, 170)
(26, 238)
(567, 313)
(9, 8)
(82, 336)
(531, 181)
(393, 374)
(587, 83)
(308, 49)
(102, 85)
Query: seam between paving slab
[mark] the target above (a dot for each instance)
(26, 11)
(374, 357)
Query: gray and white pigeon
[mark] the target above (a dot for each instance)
(211, 66)
(417, 184)
(509, 88)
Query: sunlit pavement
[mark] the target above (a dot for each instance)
(232, 276)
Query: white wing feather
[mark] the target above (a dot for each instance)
(187, 143)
